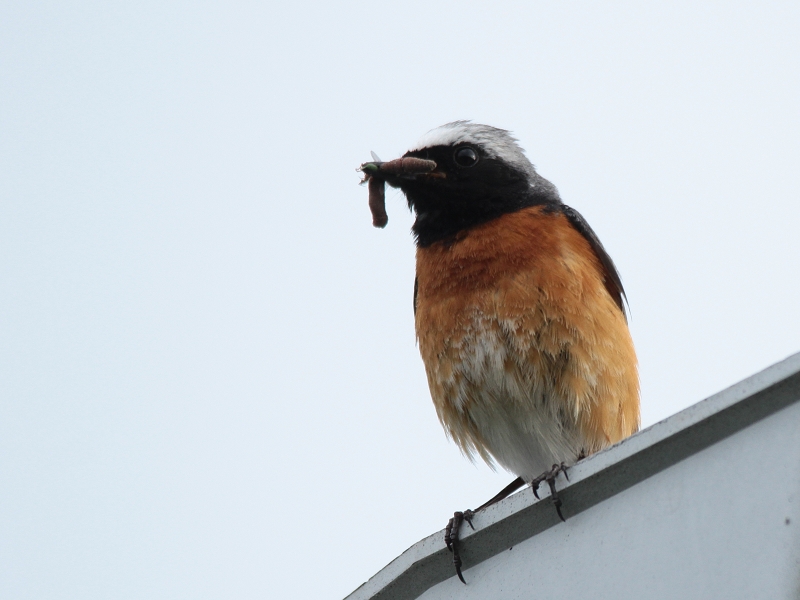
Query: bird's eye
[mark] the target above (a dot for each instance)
(466, 157)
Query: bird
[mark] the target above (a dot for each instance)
(519, 310)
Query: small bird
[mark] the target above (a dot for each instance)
(518, 308)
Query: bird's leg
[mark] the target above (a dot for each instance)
(451, 538)
(503, 494)
(550, 478)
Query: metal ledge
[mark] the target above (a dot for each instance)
(592, 481)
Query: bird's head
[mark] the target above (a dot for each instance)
(460, 175)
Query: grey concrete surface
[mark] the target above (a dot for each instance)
(705, 504)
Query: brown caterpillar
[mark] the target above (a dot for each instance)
(377, 202)
(376, 173)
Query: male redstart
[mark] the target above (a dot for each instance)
(519, 309)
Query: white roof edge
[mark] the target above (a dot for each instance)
(593, 480)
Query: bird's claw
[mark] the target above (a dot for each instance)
(550, 478)
(453, 525)
(451, 538)
(468, 516)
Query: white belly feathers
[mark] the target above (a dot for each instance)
(491, 400)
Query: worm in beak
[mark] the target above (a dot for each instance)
(376, 173)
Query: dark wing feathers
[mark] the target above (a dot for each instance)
(610, 275)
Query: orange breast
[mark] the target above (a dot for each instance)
(520, 338)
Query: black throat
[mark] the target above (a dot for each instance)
(441, 221)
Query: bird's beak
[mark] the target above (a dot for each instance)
(377, 173)
(406, 168)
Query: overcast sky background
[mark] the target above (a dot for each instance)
(209, 384)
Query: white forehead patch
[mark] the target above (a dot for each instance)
(497, 143)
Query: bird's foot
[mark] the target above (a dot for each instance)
(451, 531)
(550, 478)
(452, 540)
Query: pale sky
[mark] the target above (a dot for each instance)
(209, 383)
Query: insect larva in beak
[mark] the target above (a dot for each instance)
(377, 201)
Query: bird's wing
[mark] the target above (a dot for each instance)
(611, 277)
